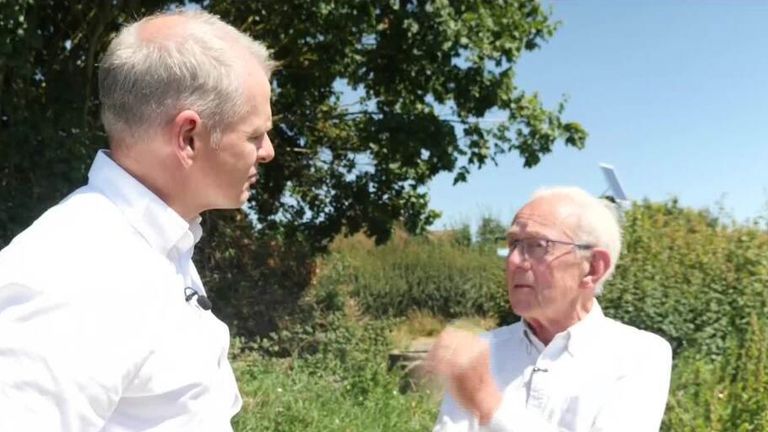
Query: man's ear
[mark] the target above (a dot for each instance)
(186, 136)
(599, 263)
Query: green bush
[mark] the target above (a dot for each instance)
(723, 395)
(420, 274)
(688, 277)
(253, 282)
(342, 384)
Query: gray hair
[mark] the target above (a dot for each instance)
(144, 83)
(596, 223)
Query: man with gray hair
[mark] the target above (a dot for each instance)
(564, 366)
(104, 322)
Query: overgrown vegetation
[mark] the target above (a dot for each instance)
(685, 274)
(426, 275)
(726, 393)
(343, 385)
(689, 277)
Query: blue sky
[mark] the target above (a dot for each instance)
(673, 93)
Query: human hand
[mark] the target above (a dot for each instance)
(462, 360)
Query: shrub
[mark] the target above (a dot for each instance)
(253, 282)
(723, 395)
(688, 277)
(342, 383)
(436, 276)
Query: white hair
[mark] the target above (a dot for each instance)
(145, 82)
(596, 223)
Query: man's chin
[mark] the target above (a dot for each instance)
(232, 203)
(521, 305)
(244, 196)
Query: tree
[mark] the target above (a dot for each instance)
(490, 232)
(49, 126)
(374, 99)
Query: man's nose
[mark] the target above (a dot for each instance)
(265, 152)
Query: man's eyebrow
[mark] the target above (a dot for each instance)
(515, 235)
(258, 130)
(514, 232)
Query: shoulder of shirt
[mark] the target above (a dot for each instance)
(82, 256)
(85, 236)
(611, 337)
(84, 211)
(630, 343)
(619, 329)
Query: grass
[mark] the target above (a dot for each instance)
(287, 396)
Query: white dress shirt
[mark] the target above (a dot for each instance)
(95, 331)
(599, 376)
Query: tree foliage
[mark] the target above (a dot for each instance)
(49, 124)
(491, 232)
(376, 98)
(373, 100)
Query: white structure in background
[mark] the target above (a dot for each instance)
(614, 185)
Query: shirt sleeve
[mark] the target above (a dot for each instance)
(56, 372)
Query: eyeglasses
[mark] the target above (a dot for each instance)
(538, 248)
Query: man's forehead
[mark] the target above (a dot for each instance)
(544, 218)
(527, 220)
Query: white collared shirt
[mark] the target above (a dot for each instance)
(598, 376)
(95, 331)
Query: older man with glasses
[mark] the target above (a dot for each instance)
(564, 366)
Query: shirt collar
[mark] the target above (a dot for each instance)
(158, 223)
(529, 338)
(578, 337)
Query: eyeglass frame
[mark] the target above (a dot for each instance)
(548, 242)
